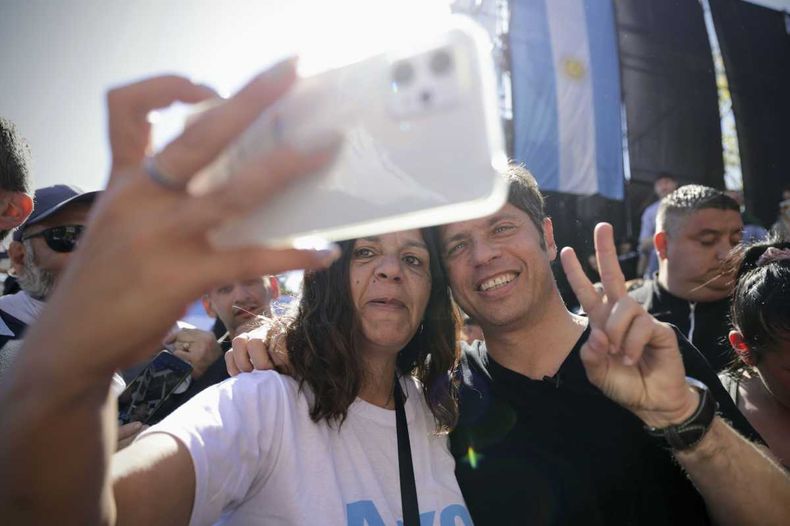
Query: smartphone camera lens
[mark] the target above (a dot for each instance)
(402, 73)
(441, 62)
(426, 97)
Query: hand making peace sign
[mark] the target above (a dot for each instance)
(632, 357)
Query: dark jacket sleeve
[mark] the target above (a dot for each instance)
(698, 368)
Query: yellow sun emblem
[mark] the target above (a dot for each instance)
(574, 68)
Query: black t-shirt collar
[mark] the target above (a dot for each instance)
(571, 373)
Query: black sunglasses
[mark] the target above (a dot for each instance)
(60, 238)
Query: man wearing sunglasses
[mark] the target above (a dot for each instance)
(40, 252)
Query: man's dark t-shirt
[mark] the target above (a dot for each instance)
(557, 451)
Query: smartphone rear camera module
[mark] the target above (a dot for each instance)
(441, 62)
(402, 74)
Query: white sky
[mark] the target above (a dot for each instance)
(59, 57)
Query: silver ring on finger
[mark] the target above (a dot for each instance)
(161, 178)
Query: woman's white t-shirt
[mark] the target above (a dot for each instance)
(260, 459)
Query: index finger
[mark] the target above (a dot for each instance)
(608, 265)
(213, 130)
(128, 108)
(588, 297)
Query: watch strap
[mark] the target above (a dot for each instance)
(688, 433)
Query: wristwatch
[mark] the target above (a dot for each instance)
(688, 433)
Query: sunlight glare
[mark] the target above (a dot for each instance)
(240, 43)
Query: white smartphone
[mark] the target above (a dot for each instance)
(423, 145)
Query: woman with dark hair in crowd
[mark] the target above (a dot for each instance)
(347, 307)
(322, 446)
(759, 378)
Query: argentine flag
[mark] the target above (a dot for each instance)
(566, 95)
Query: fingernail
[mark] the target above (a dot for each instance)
(628, 361)
(612, 349)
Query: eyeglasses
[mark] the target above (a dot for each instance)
(60, 238)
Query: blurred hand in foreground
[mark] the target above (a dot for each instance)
(145, 254)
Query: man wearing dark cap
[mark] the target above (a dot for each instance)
(40, 251)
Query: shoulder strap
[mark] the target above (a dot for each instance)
(408, 488)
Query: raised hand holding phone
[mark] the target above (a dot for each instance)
(144, 256)
(146, 211)
(632, 357)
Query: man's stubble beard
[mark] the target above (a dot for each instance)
(35, 281)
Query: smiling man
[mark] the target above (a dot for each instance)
(697, 226)
(553, 414)
(567, 420)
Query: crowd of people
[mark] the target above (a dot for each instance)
(363, 406)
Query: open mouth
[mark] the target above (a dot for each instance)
(497, 281)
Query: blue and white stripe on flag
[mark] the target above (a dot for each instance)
(566, 95)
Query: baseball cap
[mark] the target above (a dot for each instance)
(51, 199)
